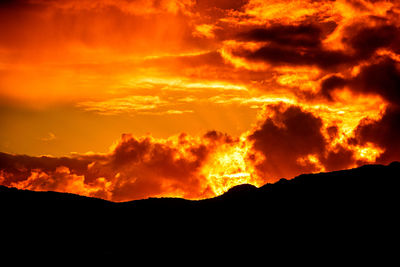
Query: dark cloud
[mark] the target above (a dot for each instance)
(21, 166)
(382, 78)
(135, 169)
(365, 40)
(285, 137)
(143, 168)
(357, 4)
(331, 83)
(384, 133)
(130, 150)
(220, 4)
(281, 55)
(293, 45)
(291, 139)
(338, 158)
(332, 131)
(17, 4)
(289, 135)
(304, 35)
(302, 44)
(218, 136)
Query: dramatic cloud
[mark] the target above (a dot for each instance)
(281, 44)
(285, 138)
(384, 133)
(262, 89)
(381, 78)
(305, 35)
(365, 40)
(135, 169)
(304, 44)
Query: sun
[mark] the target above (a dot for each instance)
(230, 166)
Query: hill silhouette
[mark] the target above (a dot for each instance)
(334, 217)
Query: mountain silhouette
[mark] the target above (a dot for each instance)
(334, 217)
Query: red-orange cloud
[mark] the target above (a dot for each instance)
(135, 169)
(287, 141)
(322, 77)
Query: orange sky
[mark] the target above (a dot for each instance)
(129, 99)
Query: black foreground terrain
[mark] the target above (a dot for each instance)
(340, 217)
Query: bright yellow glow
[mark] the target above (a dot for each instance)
(306, 79)
(76, 75)
(285, 11)
(368, 153)
(228, 167)
(204, 30)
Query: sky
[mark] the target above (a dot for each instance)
(130, 99)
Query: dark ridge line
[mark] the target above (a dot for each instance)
(232, 191)
(330, 217)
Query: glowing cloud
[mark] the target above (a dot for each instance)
(229, 92)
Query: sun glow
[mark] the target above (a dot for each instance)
(368, 153)
(206, 95)
(229, 166)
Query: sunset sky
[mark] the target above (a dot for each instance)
(129, 99)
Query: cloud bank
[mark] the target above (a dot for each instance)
(322, 77)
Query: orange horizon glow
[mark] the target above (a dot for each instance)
(130, 99)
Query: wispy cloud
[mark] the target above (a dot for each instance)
(49, 137)
(136, 104)
(123, 105)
